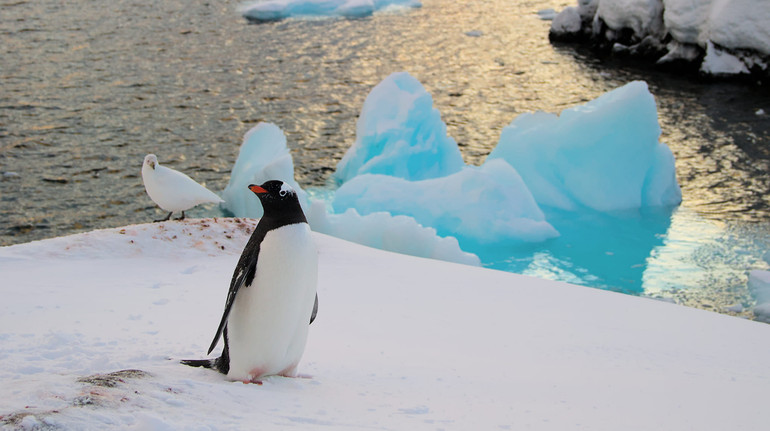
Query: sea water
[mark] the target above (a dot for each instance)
(89, 88)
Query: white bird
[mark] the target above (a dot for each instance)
(172, 190)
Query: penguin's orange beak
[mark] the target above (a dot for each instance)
(257, 189)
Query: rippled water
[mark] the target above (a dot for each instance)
(88, 88)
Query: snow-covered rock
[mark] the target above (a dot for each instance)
(719, 37)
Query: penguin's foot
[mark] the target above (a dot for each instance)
(179, 218)
(254, 376)
(290, 371)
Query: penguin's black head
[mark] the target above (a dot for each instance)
(277, 197)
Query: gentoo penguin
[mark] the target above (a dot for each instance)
(172, 190)
(272, 298)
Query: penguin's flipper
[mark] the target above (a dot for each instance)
(315, 309)
(228, 306)
(244, 274)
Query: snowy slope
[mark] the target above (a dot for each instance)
(400, 343)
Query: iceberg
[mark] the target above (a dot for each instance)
(275, 10)
(478, 205)
(759, 285)
(263, 156)
(583, 196)
(603, 155)
(400, 234)
(399, 133)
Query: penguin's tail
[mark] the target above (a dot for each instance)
(205, 363)
(221, 364)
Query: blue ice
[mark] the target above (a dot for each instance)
(274, 10)
(584, 196)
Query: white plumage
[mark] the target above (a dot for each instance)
(268, 324)
(172, 190)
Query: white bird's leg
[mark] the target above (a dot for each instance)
(167, 217)
(182, 217)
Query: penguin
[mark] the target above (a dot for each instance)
(272, 298)
(172, 190)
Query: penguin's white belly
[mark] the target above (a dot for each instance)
(268, 325)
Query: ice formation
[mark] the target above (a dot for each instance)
(263, 156)
(572, 194)
(486, 205)
(759, 285)
(274, 10)
(399, 133)
(400, 234)
(721, 37)
(603, 155)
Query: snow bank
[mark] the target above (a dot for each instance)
(400, 133)
(487, 205)
(263, 156)
(399, 343)
(603, 155)
(274, 10)
(720, 37)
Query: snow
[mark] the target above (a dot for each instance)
(566, 22)
(400, 133)
(736, 30)
(603, 155)
(718, 62)
(732, 24)
(642, 16)
(400, 343)
(274, 10)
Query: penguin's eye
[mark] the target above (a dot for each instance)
(282, 193)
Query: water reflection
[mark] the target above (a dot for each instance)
(607, 250)
(704, 262)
